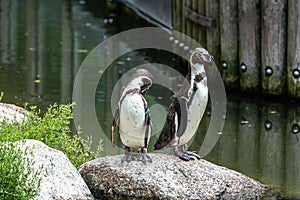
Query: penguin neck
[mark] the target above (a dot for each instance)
(134, 86)
(195, 70)
(197, 74)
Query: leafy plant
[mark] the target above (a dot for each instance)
(14, 173)
(52, 128)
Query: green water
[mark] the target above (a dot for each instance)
(43, 43)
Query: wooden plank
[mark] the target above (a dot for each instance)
(292, 162)
(196, 17)
(229, 43)
(273, 46)
(195, 26)
(183, 19)
(213, 34)
(293, 49)
(271, 158)
(249, 45)
(202, 28)
(248, 137)
(189, 23)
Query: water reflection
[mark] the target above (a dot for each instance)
(260, 140)
(41, 51)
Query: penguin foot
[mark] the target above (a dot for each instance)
(128, 156)
(144, 157)
(186, 155)
(180, 155)
(192, 155)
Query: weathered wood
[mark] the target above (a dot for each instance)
(293, 48)
(202, 28)
(183, 19)
(229, 42)
(189, 23)
(273, 46)
(196, 17)
(271, 150)
(249, 45)
(248, 137)
(194, 26)
(292, 154)
(213, 34)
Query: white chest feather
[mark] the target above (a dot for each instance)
(198, 103)
(132, 121)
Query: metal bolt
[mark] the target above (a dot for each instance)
(296, 73)
(186, 48)
(268, 71)
(176, 41)
(295, 128)
(224, 65)
(243, 67)
(181, 44)
(268, 125)
(171, 38)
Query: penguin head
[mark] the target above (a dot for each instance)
(200, 56)
(140, 79)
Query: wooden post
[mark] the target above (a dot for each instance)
(213, 34)
(248, 137)
(272, 144)
(273, 46)
(189, 23)
(292, 145)
(229, 42)
(195, 31)
(201, 29)
(249, 45)
(293, 49)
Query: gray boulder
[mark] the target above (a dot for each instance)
(12, 113)
(59, 178)
(167, 177)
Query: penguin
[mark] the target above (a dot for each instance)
(132, 116)
(187, 108)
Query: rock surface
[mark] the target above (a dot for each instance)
(60, 179)
(167, 177)
(12, 113)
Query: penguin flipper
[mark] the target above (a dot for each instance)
(147, 124)
(182, 118)
(114, 124)
(169, 129)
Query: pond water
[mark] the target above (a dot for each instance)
(43, 43)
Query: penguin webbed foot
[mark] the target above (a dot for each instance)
(128, 157)
(192, 155)
(186, 155)
(144, 157)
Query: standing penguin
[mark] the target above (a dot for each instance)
(187, 108)
(132, 116)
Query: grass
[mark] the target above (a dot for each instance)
(53, 129)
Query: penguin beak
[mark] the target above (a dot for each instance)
(201, 56)
(206, 57)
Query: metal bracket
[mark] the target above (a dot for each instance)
(200, 19)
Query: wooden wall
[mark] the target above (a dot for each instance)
(256, 44)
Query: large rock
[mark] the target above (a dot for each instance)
(12, 113)
(60, 179)
(167, 177)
